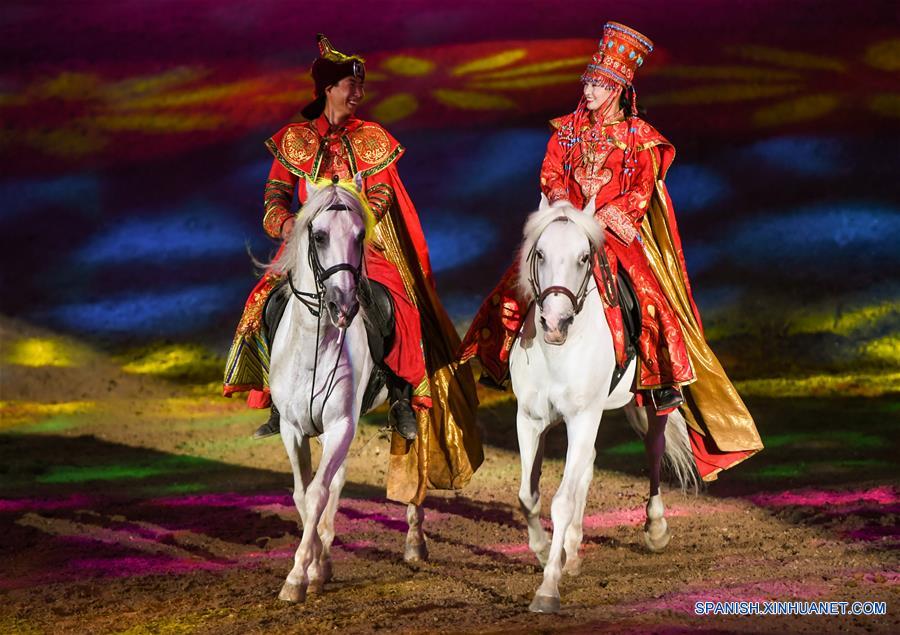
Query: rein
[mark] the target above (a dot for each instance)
(313, 303)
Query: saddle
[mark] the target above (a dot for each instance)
(378, 317)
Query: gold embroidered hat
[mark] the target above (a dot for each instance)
(329, 68)
(622, 51)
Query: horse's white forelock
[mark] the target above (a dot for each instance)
(535, 225)
(323, 198)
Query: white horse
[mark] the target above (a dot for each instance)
(320, 366)
(561, 367)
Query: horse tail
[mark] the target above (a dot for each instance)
(679, 459)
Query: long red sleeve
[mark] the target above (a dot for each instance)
(279, 194)
(623, 214)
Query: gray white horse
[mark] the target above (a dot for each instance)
(320, 367)
(561, 367)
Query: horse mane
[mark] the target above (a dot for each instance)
(535, 225)
(326, 195)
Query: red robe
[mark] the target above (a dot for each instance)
(596, 168)
(624, 165)
(447, 449)
(312, 150)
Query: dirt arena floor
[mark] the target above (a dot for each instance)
(131, 504)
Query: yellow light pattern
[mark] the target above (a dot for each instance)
(887, 104)
(790, 59)
(208, 95)
(885, 350)
(524, 83)
(749, 73)
(794, 110)
(498, 60)
(148, 84)
(884, 56)
(15, 413)
(395, 107)
(721, 93)
(466, 100)
(827, 320)
(174, 360)
(69, 86)
(39, 352)
(160, 123)
(534, 69)
(407, 66)
(849, 385)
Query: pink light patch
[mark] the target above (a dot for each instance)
(884, 495)
(762, 591)
(139, 565)
(224, 500)
(12, 505)
(509, 549)
(637, 515)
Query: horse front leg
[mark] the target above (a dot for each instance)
(575, 532)
(321, 568)
(656, 529)
(531, 453)
(335, 444)
(416, 550)
(582, 433)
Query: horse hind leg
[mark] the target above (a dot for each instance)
(416, 550)
(575, 532)
(531, 453)
(656, 529)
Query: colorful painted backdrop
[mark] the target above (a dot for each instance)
(133, 162)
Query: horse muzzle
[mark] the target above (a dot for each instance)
(556, 332)
(342, 308)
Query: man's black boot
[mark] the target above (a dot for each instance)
(270, 427)
(666, 400)
(401, 415)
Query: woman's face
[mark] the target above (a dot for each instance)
(596, 95)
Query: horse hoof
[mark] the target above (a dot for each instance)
(295, 593)
(657, 541)
(544, 604)
(416, 553)
(316, 586)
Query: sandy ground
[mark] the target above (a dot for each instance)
(129, 504)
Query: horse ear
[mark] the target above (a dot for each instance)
(545, 202)
(358, 182)
(591, 206)
(311, 189)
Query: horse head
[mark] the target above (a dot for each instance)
(556, 263)
(329, 234)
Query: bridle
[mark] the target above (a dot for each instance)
(313, 300)
(577, 299)
(313, 303)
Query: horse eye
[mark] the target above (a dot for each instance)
(585, 258)
(320, 237)
(361, 236)
(539, 254)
